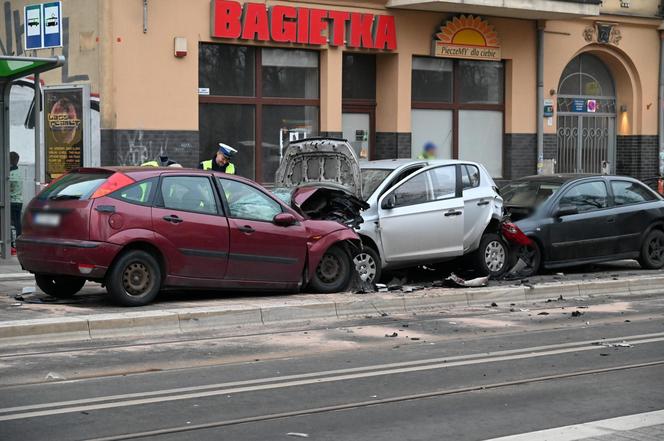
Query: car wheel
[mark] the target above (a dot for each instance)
(368, 266)
(333, 271)
(491, 257)
(652, 250)
(135, 279)
(62, 287)
(531, 255)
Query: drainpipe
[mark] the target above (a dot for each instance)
(661, 100)
(39, 163)
(540, 96)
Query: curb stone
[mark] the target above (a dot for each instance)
(177, 321)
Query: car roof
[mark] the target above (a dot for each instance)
(143, 172)
(559, 178)
(393, 164)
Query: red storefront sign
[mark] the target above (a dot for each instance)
(290, 24)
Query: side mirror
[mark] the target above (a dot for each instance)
(389, 202)
(284, 220)
(566, 210)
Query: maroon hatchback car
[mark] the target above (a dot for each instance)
(138, 230)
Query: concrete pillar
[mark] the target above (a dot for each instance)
(331, 62)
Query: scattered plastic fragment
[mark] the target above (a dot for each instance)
(494, 304)
(543, 313)
(28, 290)
(394, 334)
(298, 434)
(415, 338)
(622, 344)
(577, 313)
(54, 376)
(380, 287)
(472, 283)
(17, 304)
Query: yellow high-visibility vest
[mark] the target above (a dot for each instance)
(207, 165)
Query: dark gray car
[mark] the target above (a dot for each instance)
(576, 219)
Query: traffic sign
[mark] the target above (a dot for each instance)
(43, 25)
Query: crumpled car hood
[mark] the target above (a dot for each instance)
(327, 161)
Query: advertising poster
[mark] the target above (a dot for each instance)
(63, 131)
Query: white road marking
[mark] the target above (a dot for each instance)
(591, 429)
(136, 399)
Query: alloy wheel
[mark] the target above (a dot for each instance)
(656, 249)
(365, 266)
(494, 256)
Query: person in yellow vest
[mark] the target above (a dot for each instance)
(162, 161)
(221, 160)
(429, 151)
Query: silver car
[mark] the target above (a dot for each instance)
(416, 212)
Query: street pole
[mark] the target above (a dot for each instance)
(661, 102)
(540, 97)
(38, 152)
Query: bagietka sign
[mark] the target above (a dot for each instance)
(300, 25)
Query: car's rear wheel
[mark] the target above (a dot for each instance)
(333, 271)
(652, 250)
(135, 279)
(492, 257)
(367, 264)
(62, 287)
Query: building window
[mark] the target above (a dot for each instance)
(450, 100)
(258, 100)
(359, 76)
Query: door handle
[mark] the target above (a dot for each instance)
(453, 213)
(480, 203)
(105, 208)
(246, 229)
(172, 219)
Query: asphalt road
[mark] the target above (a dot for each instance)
(464, 374)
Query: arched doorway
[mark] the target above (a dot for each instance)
(586, 136)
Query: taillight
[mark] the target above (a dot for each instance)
(114, 182)
(512, 233)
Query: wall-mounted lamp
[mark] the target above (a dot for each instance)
(623, 108)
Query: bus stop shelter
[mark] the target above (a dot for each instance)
(12, 68)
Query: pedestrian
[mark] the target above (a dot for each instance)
(429, 151)
(221, 161)
(15, 192)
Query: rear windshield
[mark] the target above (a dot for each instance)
(528, 193)
(74, 186)
(371, 179)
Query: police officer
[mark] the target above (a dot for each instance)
(221, 161)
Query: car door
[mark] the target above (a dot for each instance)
(633, 213)
(477, 205)
(260, 250)
(189, 224)
(422, 217)
(588, 233)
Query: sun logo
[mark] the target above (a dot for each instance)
(466, 36)
(468, 31)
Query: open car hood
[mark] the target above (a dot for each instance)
(331, 162)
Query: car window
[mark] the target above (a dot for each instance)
(444, 182)
(188, 193)
(74, 186)
(528, 193)
(626, 192)
(470, 176)
(139, 193)
(371, 180)
(247, 202)
(414, 191)
(587, 196)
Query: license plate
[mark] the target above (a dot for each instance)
(47, 219)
